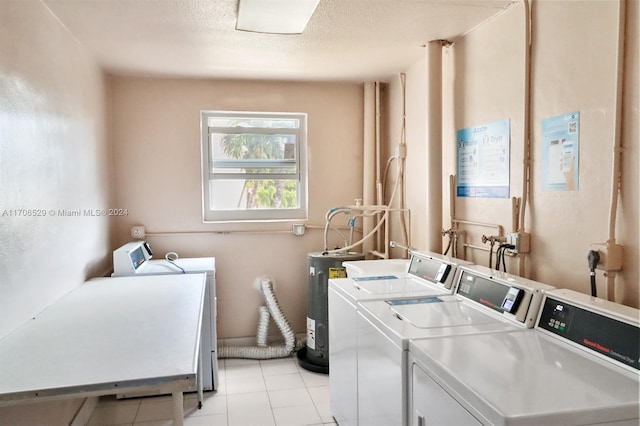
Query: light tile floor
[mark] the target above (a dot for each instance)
(274, 392)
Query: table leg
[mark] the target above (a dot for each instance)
(178, 409)
(199, 383)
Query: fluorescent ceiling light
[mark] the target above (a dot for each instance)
(275, 16)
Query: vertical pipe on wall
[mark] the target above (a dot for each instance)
(515, 210)
(379, 196)
(401, 160)
(434, 152)
(526, 166)
(526, 169)
(617, 143)
(377, 109)
(448, 125)
(369, 162)
(452, 201)
(616, 174)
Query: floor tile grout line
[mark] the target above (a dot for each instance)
(314, 405)
(264, 380)
(137, 411)
(268, 397)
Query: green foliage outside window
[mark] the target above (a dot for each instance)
(261, 193)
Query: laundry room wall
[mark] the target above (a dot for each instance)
(156, 134)
(487, 66)
(573, 68)
(54, 161)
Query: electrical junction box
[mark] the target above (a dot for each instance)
(610, 256)
(520, 240)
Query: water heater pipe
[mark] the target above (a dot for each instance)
(382, 220)
(402, 149)
(369, 158)
(399, 157)
(374, 209)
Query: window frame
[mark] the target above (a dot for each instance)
(299, 213)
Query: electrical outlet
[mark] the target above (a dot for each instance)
(298, 229)
(138, 232)
(520, 240)
(610, 256)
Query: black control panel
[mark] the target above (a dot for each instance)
(494, 294)
(601, 334)
(490, 293)
(430, 269)
(137, 258)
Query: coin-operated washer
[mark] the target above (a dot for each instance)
(486, 301)
(426, 275)
(578, 366)
(322, 267)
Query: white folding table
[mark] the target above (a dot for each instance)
(109, 336)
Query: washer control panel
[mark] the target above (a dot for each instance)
(593, 331)
(433, 270)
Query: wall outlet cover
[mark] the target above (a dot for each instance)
(138, 232)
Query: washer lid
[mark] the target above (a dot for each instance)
(374, 288)
(362, 268)
(527, 378)
(394, 286)
(449, 316)
(440, 313)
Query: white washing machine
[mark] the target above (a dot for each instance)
(486, 301)
(428, 274)
(367, 268)
(579, 366)
(134, 259)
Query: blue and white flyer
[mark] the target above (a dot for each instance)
(483, 160)
(560, 152)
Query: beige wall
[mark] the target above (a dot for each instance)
(569, 221)
(573, 69)
(487, 67)
(157, 175)
(53, 156)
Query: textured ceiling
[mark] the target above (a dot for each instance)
(352, 40)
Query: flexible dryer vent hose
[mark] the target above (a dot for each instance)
(261, 350)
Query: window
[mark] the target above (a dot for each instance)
(254, 166)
